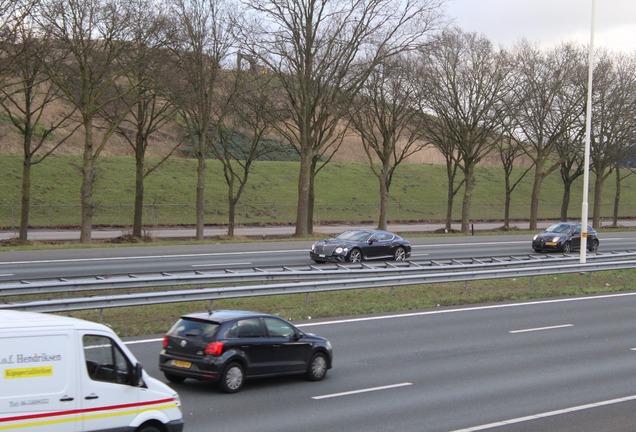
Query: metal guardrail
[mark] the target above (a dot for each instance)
(250, 282)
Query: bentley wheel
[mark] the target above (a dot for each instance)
(567, 247)
(400, 254)
(355, 256)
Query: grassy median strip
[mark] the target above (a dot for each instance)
(156, 319)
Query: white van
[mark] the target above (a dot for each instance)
(60, 374)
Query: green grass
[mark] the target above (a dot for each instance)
(156, 319)
(344, 193)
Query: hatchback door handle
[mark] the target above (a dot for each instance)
(66, 399)
(91, 396)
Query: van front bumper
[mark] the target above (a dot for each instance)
(175, 426)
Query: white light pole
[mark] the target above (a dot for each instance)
(588, 129)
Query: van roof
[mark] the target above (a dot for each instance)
(19, 319)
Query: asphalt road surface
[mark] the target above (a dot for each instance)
(213, 256)
(557, 365)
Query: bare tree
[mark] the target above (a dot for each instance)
(84, 66)
(147, 107)
(322, 52)
(25, 98)
(548, 101)
(569, 148)
(205, 37)
(384, 117)
(462, 84)
(613, 117)
(243, 132)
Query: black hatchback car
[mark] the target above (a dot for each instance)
(564, 237)
(229, 346)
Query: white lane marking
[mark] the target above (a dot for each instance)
(7, 274)
(223, 254)
(367, 390)
(547, 414)
(467, 309)
(147, 257)
(541, 328)
(437, 312)
(474, 244)
(221, 264)
(143, 341)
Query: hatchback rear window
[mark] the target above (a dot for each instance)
(194, 328)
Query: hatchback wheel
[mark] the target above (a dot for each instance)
(232, 378)
(400, 254)
(593, 247)
(355, 256)
(317, 368)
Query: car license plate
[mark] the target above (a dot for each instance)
(181, 364)
(321, 255)
(551, 243)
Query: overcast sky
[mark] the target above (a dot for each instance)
(549, 22)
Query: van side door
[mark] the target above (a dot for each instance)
(110, 401)
(38, 381)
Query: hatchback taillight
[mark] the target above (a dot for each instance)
(214, 348)
(165, 341)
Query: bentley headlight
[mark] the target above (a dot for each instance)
(535, 237)
(338, 250)
(313, 247)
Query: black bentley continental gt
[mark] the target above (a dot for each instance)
(358, 245)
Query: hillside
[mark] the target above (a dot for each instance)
(345, 192)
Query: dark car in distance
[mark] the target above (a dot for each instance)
(230, 346)
(564, 237)
(358, 245)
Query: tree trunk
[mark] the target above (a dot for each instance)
(231, 218)
(469, 187)
(140, 156)
(507, 200)
(200, 204)
(450, 196)
(536, 192)
(617, 198)
(88, 180)
(565, 200)
(139, 191)
(598, 201)
(26, 197)
(304, 184)
(384, 197)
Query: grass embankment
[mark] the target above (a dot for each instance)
(345, 192)
(157, 319)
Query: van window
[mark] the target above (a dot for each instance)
(105, 361)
